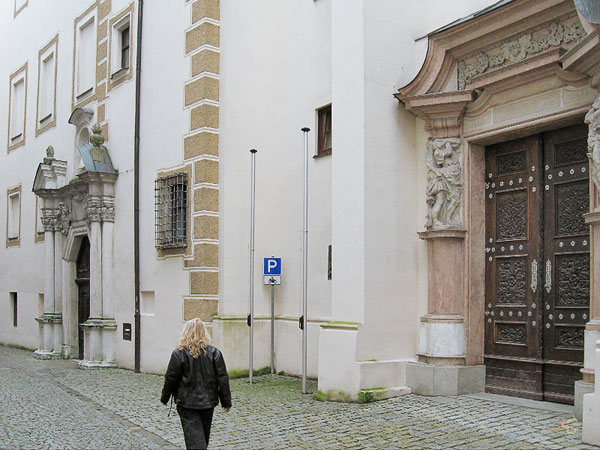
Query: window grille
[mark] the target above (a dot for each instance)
(170, 207)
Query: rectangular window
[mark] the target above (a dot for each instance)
(86, 57)
(14, 216)
(47, 88)
(324, 131)
(39, 227)
(170, 206)
(120, 46)
(13, 304)
(17, 108)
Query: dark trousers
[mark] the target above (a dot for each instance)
(196, 426)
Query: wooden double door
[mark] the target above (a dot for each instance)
(537, 264)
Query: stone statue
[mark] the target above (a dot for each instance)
(444, 184)
(592, 118)
(64, 217)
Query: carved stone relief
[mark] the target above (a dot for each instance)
(444, 184)
(518, 49)
(592, 118)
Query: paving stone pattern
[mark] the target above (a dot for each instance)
(56, 405)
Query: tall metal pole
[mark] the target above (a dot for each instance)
(252, 215)
(305, 130)
(272, 328)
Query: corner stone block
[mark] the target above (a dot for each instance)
(101, 71)
(204, 283)
(205, 255)
(206, 227)
(102, 30)
(204, 116)
(206, 171)
(202, 309)
(205, 61)
(206, 199)
(203, 143)
(205, 33)
(205, 8)
(204, 88)
(104, 10)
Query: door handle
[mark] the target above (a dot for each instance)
(534, 275)
(548, 284)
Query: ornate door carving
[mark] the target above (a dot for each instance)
(566, 259)
(83, 285)
(537, 264)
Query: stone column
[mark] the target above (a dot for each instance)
(57, 326)
(109, 324)
(591, 406)
(47, 320)
(442, 368)
(592, 328)
(94, 333)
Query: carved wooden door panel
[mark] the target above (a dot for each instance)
(513, 249)
(537, 264)
(566, 266)
(83, 285)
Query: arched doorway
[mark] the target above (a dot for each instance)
(83, 291)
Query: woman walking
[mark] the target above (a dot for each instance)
(197, 379)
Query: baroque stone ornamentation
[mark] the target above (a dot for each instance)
(49, 222)
(444, 184)
(64, 218)
(93, 212)
(517, 50)
(592, 118)
(107, 213)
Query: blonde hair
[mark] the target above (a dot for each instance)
(195, 337)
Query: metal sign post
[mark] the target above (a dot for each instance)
(272, 275)
(252, 215)
(304, 318)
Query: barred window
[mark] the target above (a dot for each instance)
(170, 207)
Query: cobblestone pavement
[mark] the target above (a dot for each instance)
(55, 405)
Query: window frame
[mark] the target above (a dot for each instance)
(81, 90)
(16, 137)
(13, 225)
(324, 128)
(46, 119)
(20, 6)
(171, 204)
(119, 73)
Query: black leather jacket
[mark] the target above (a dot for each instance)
(197, 383)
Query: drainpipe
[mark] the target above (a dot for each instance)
(136, 185)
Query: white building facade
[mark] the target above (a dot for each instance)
(452, 202)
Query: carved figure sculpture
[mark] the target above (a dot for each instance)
(64, 217)
(444, 184)
(592, 118)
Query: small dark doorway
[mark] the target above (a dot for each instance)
(83, 290)
(537, 264)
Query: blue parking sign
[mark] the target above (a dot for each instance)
(272, 266)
